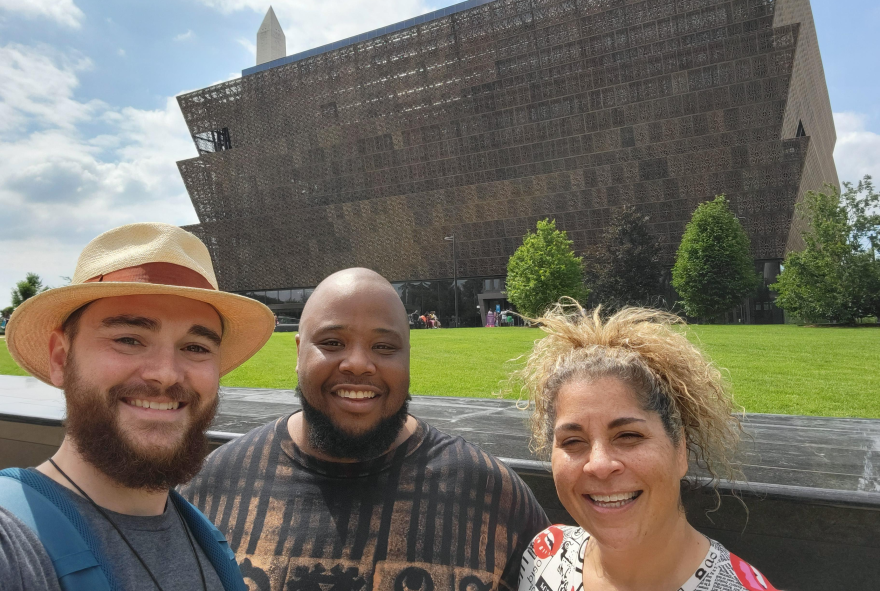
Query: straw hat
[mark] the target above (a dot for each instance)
(139, 259)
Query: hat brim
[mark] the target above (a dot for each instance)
(247, 324)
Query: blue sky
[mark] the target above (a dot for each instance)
(90, 130)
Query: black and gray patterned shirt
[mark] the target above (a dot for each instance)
(435, 514)
(554, 562)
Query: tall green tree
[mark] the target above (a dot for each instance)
(714, 269)
(27, 288)
(625, 267)
(544, 269)
(836, 277)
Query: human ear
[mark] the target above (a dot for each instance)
(59, 349)
(296, 340)
(682, 455)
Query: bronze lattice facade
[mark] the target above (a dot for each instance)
(483, 118)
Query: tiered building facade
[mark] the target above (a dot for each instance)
(480, 119)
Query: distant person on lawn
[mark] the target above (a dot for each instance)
(621, 404)
(138, 343)
(353, 493)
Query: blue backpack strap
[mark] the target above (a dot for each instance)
(59, 526)
(212, 542)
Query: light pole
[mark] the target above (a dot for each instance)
(744, 308)
(454, 275)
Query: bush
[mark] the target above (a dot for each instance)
(543, 270)
(625, 268)
(714, 269)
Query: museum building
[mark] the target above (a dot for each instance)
(478, 120)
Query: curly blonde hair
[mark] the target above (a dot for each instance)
(644, 349)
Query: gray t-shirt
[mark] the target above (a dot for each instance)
(160, 540)
(24, 564)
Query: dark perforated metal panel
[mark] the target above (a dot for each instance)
(487, 120)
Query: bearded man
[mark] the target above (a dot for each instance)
(353, 493)
(138, 343)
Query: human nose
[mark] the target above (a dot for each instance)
(357, 362)
(163, 368)
(602, 462)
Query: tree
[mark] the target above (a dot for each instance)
(863, 213)
(714, 269)
(543, 270)
(27, 288)
(837, 276)
(625, 268)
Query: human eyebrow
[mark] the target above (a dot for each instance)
(203, 331)
(387, 331)
(624, 421)
(150, 324)
(569, 427)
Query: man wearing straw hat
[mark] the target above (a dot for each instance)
(138, 343)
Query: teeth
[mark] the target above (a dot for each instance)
(615, 500)
(357, 394)
(154, 405)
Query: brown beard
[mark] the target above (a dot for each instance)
(93, 425)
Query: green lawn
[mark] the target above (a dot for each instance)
(7, 366)
(774, 369)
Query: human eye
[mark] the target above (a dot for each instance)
(127, 341)
(331, 343)
(197, 348)
(385, 348)
(570, 442)
(630, 436)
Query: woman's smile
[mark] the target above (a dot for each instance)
(613, 501)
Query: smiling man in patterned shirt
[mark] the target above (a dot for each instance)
(353, 493)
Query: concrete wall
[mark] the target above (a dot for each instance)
(27, 444)
(802, 539)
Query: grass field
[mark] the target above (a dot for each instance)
(773, 369)
(7, 365)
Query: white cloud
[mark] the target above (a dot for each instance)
(858, 150)
(37, 86)
(63, 12)
(250, 46)
(120, 52)
(61, 186)
(185, 36)
(309, 24)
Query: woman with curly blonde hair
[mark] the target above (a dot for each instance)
(621, 404)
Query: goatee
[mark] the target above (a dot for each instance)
(93, 425)
(325, 436)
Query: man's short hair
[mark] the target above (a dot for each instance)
(70, 326)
